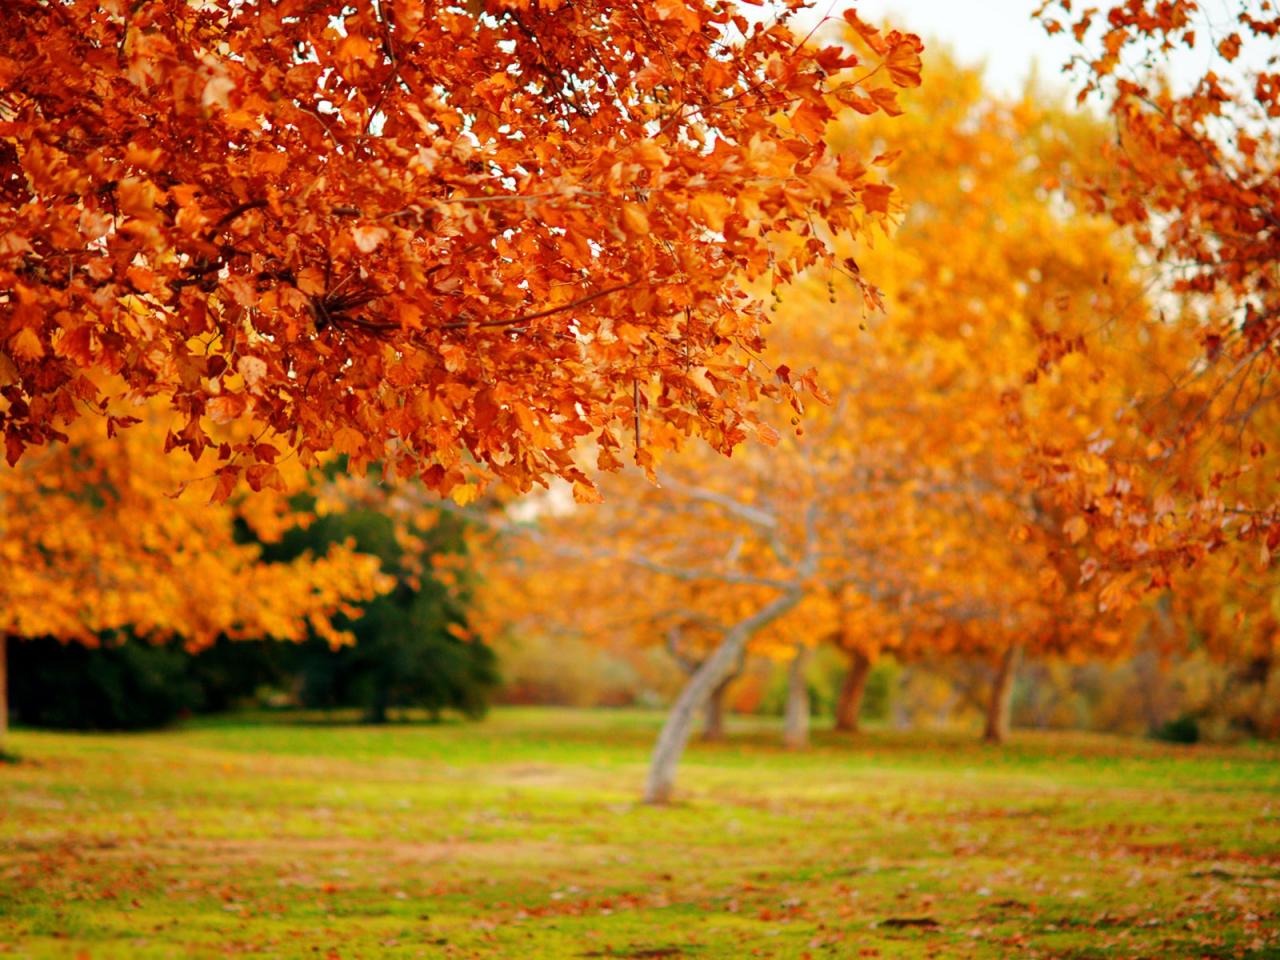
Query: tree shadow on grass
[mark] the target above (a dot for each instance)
(320, 718)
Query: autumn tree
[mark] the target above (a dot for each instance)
(904, 508)
(1194, 94)
(413, 645)
(995, 274)
(456, 240)
(95, 542)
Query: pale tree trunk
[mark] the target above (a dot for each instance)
(998, 706)
(675, 732)
(795, 733)
(852, 690)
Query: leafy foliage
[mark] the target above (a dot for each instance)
(95, 541)
(900, 515)
(1192, 173)
(457, 242)
(412, 646)
(132, 685)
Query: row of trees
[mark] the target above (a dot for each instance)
(1001, 468)
(452, 242)
(535, 241)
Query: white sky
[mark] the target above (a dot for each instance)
(1002, 35)
(999, 33)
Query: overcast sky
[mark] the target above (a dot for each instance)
(999, 33)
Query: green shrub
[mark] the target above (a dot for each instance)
(1185, 729)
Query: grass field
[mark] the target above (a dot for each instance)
(520, 837)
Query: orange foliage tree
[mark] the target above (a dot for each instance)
(457, 240)
(906, 510)
(93, 541)
(1194, 173)
(996, 264)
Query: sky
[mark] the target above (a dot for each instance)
(999, 33)
(1002, 35)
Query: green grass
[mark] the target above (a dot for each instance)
(520, 837)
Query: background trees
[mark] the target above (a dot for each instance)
(412, 644)
(458, 242)
(96, 542)
(494, 241)
(904, 505)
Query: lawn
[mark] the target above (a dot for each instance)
(520, 837)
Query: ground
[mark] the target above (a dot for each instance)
(520, 837)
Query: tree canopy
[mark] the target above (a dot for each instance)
(456, 240)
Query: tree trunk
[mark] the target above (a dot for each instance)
(849, 706)
(997, 730)
(675, 732)
(713, 725)
(377, 712)
(4, 694)
(795, 732)
(1269, 703)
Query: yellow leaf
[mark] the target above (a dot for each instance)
(634, 219)
(25, 345)
(349, 441)
(810, 120)
(1075, 529)
(711, 209)
(651, 155)
(586, 493)
(464, 493)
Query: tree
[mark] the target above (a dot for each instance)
(1193, 173)
(903, 507)
(457, 241)
(413, 646)
(996, 271)
(95, 543)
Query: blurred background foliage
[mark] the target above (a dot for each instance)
(405, 658)
(412, 648)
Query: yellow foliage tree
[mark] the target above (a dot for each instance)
(903, 507)
(96, 539)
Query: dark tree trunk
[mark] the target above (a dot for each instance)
(795, 734)
(381, 702)
(852, 690)
(4, 693)
(998, 707)
(713, 726)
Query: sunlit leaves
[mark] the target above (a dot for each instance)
(1192, 173)
(447, 242)
(99, 535)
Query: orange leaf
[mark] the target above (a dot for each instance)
(1075, 529)
(26, 345)
(634, 219)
